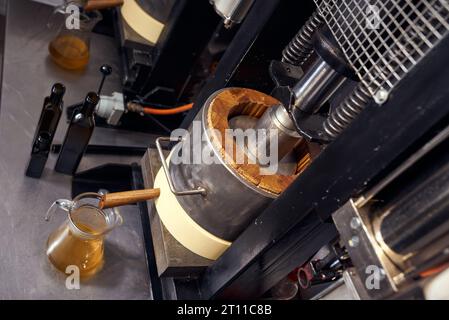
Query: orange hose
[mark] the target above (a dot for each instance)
(433, 271)
(147, 110)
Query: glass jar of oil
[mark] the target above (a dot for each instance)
(79, 241)
(70, 49)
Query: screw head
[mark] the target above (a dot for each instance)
(354, 241)
(227, 23)
(355, 223)
(381, 96)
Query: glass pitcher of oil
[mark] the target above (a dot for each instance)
(70, 49)
(79, 241)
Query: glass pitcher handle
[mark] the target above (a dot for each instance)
(52, 18)
(63, 204)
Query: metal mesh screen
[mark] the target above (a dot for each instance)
(384, 39)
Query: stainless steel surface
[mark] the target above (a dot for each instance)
(194, 190)
(348, 287)
(231, 203)
(172, 258)
(335, 291)
(25, 272)
(352, 283)
(232, 11)
(317, 85)
(278, 126)
(384, 39)
(300, 48)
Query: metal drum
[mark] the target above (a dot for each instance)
(221, 197)
(230, 202)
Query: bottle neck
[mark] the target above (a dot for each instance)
(90, 103)
(88, 110)
(57, 93)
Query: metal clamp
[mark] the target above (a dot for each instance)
(198, 190)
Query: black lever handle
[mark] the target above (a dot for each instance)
(106, 70)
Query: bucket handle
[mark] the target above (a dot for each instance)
(199, 190)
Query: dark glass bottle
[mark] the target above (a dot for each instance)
(45, 131)
(78, 135)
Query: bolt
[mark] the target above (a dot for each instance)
(354, 241)
(228, 23)
(355, 223)
(381, 96)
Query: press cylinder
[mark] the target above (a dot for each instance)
(232, 201)
(235, 193)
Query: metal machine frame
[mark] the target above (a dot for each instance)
(275, 246)
(297, 224)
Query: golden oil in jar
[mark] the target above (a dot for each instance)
(69, 52)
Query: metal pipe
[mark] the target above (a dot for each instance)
(316, 86)
(278, 127)
(232, 11)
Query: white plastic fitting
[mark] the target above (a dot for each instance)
(111, 108)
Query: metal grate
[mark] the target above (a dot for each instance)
(384, 39)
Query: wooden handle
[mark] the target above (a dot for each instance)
(102, 4)
(117, 199)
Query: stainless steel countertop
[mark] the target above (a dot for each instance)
(28, 74)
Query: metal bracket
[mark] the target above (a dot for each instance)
(309, 126)
(199, 190)
(370, 261)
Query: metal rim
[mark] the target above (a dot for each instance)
(217, 154)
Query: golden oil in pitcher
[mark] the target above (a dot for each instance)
(79, 241)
